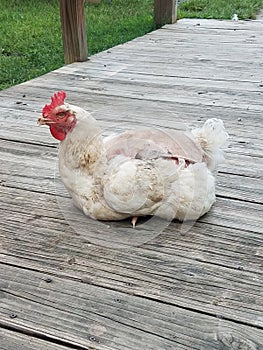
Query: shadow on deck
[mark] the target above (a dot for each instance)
(197, 290)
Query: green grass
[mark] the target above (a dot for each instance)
(30, 31)
(219, 9)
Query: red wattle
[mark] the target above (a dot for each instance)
(57, 133)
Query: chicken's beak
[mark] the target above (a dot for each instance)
(44, 121)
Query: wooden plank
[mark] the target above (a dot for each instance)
(164, 12)
(247, 189)
(109, 71)
(166, 93)
(19, 123)
(218, 24)
(165, 87)
(74, 35)
(222, 68)
(239, 103)
(87, 316)
(172, 40)
(206, 267)
(93, 95)
(239, 177)
(187, 110)
(234, 248)
(10, 340)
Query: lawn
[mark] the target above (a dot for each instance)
(30, 33)
(219, 9)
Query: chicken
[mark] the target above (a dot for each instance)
(138, 172)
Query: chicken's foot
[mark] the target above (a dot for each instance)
(134, 220)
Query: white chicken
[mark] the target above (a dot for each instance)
(138, 172)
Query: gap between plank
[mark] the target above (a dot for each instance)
(42, 336)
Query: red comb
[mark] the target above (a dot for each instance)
(56, 100)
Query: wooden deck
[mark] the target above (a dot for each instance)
(71, 283)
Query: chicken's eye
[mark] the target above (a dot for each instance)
(61, 114)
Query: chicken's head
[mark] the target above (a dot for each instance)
(58, 116)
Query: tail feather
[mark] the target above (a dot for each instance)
(212, 136)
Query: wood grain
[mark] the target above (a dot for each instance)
(72, 14)
(88, 316)
(208, 266)
(164, 12)
(16, 340)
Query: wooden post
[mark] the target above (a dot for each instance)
(72, 14)
(164, 12)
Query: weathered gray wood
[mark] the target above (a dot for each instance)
(202, 274)
(196, 286)
(153, 91)
(87, 315)
(164, 12)
(10, 340)
(237, 181)
(243, 136)
(74, 35)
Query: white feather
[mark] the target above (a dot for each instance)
(168, 184)
(212, 136)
